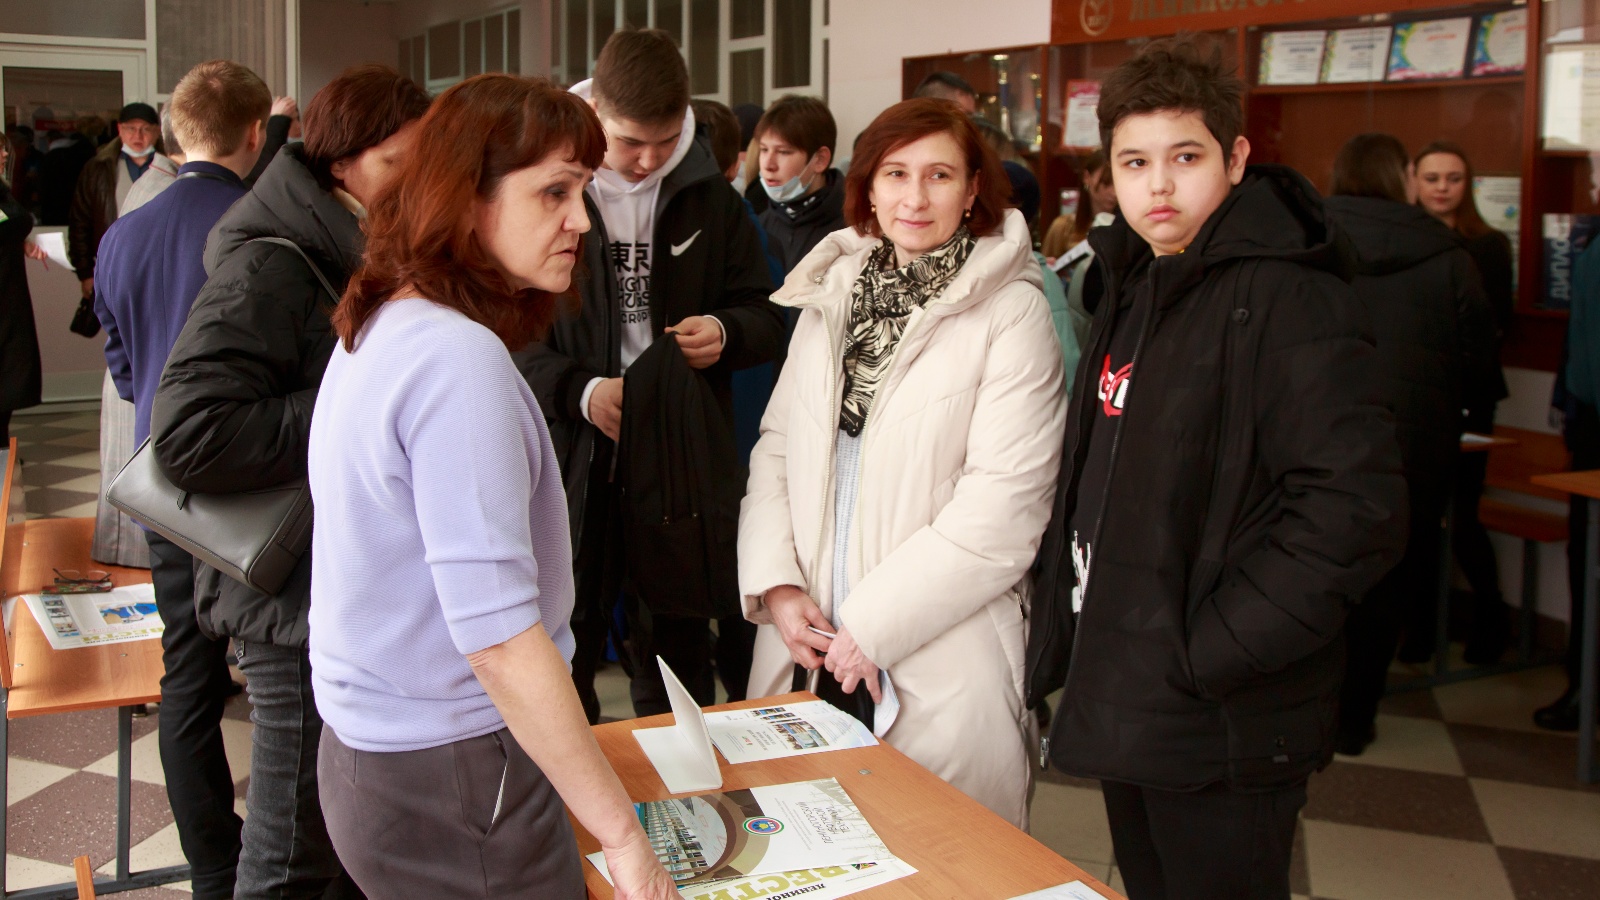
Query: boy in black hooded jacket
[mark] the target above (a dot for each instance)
(1234, 488)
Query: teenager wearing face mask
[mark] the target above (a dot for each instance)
(105, 183)
(795, 139)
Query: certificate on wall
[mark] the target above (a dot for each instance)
(1499, 201)
(1500, 43)
(1292, 57)
(1083, 117)
(1572, 98)
(1434, 49)
(1356, 54)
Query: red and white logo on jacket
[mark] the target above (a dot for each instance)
(1113, 387)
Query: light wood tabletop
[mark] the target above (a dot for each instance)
(45, 680)
(959, 848)
(1584, 484)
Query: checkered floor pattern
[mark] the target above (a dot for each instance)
(1460, 798)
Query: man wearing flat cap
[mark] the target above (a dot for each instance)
(105, 180)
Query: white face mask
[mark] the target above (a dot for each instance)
(790, 190)
(140, 154)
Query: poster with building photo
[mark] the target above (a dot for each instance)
(759, 830)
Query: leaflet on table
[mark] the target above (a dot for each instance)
(795, 729)
(1500, 46)
(1292, 57)
(826, 883)
(1433, 49)
(70, 621)
(1083, 116)
(756, 831)
(1356, 54)
(1072, 890)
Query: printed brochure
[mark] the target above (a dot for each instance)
(796, 729)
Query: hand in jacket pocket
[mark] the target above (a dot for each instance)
(795, 614)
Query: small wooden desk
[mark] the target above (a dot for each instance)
(1587, 485)
(36, 679)
(959, 848)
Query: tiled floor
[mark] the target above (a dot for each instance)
(1460, 798)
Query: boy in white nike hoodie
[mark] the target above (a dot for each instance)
(671, 249)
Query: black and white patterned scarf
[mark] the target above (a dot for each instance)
(880, 303)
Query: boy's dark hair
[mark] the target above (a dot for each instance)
(944, 86)
(722, 128)
(640, 76)
(802, 121)
(1371, 165)
(1185, 73)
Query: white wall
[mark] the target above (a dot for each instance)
(72, 364)
(338, 34)
(868, 39)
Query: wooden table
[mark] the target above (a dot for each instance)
(38, 679)
(1587, 485)
(959, 848)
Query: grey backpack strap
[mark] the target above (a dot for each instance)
(291, 245)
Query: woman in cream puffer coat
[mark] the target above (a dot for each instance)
(957, 468)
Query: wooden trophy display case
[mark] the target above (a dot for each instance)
(1515, 84)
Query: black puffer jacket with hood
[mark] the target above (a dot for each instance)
(793, 229)
(1254, 494)
(233, 410)
(1434, 327)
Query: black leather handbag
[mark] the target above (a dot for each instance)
(84, 321)
(255, 537)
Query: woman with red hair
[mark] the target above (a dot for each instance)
(908, 459)
(454, 742)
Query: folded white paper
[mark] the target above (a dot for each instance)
(681, 752)
(1072, 890)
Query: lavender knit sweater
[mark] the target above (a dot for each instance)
(441, 528)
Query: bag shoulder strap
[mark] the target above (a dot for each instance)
(315, 269)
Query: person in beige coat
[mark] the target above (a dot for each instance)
(908, 458)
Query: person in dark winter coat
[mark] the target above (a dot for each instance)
(148, 271)
(20, 375)
(795, 139)
(105, 181)
(1234, 488)
(1444, 189)
(671, 247)
(233, 413)
(1436, 343)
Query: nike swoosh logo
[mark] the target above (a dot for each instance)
(677, 249)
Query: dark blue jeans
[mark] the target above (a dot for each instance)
(193, 691)
(287, 852)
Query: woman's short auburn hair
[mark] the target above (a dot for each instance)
(359, 110)
(420, 229)
(907, 122)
